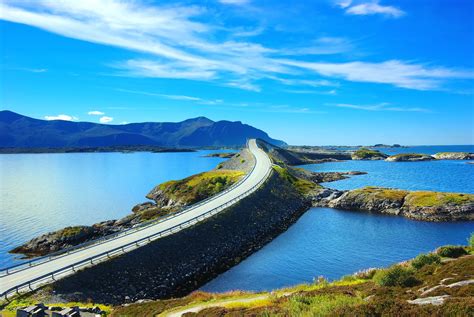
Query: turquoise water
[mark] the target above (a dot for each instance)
(40, 193)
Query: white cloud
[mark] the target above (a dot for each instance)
(370, 8)
(180, 46)
(63, 117)
(394, 72)
(385, 106)
(105, 119)
(173, 97)
(95, 113)
(344, 3)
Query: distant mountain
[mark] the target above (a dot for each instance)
(20, 131)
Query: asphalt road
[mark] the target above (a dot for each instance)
(262, 165)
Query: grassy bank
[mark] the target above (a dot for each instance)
(392, 291)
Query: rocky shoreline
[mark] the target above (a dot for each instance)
(417, 205)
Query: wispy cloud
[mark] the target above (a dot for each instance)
(179, 45)
(173, 97)
(63, 117)
(95, 113)
(105, 119)
(369, 8)
(394, 72)
(380, 107)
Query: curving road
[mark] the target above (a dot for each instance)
(31, 274)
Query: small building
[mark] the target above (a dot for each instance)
(38, 310)
(67, 312)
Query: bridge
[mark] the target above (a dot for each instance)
(40, 271)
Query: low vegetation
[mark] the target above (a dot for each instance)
(452, 251)
(200, 186)
(381, 193)
(367, 154)
(432, 199)
(396, 275)
(303, 186)
(425, 259)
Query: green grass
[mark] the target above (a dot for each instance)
(425, 259)
(200, 186)
(302, 186)
(365, 153)
(71, 231)
(408, 155)
(318, 305)
(451, 251)
(433, 199)
(380, 193)
(395, 275)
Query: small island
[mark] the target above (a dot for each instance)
(409, 157)
(368, 154)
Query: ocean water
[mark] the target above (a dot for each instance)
(422, 149)
(446, 176)
(44, 192)
(332, 243)
(40, 193)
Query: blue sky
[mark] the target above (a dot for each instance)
(307, 72)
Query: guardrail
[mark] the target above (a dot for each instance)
(52, 276)
(58, 254)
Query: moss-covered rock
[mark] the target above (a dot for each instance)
(55, 241)
(454, 156)
(372, 199)
(420, 205)
(303, 186)
(409, 157)
(368, 154)
(178, 193)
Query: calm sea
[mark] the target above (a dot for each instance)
(40, 193)
(45, 192)
(333, 243)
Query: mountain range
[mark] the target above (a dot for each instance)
(17, 130)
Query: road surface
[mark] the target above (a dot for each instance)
(29, 274)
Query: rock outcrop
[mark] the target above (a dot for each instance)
(409, 157)
(419, 205)
(323, 177)
(368, 154)
(454, 156)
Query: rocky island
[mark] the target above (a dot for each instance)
(418, 205)
(368, 154)
(409, 157)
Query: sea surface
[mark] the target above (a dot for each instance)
(332, 243)
(40, 193)
(45, 192)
